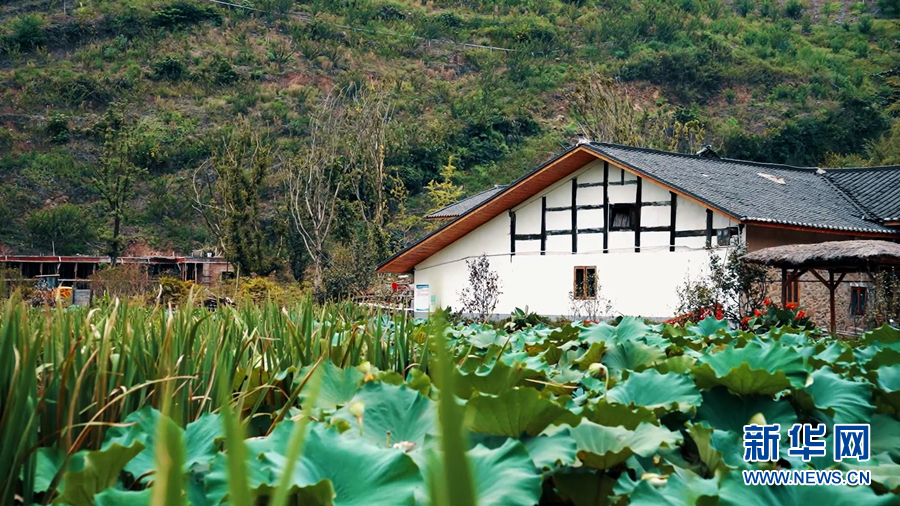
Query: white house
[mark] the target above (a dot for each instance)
(641, 220)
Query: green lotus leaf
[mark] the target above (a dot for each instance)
(48, 462)
(604, 413)
(90, 472)
(885, 472)
(336, 385)
(885, 433)
(718, 449)
(884, 334)
(116, 497)
(628, 329)
(391, 414)
(547, 451)
(679, 364)
(708, 326)
(724, 411)
(592, 355)
(497, 378)
(888, 383)
(332, 470)
(199, 437)
(603, 447)
(658, 392)
(757, 368)
(515, 412)
(682, 488)
(505, 476)
(843, 400)
(631, 356)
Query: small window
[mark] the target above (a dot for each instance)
(793, 292)
(585, 283)
(622, 217)
(723, 237)
(859, 296)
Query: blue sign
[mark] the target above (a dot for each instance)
(851, 441)
(761, 442)
(804, 442)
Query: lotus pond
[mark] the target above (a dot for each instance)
(337, 405)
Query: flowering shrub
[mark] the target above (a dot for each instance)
(773, 315)
(698, 315)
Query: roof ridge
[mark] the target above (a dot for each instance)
(780, 166)
(863, 169)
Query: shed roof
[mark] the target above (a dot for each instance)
(464, 205)
(829, 254)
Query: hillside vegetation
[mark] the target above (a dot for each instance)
(138, 97)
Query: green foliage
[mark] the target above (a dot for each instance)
(181, 14)
(27, 34)
(170, 67)
(65, 229)
(58, 128)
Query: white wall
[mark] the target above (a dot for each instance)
(637, 283)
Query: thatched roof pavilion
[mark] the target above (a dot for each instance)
(834, 257)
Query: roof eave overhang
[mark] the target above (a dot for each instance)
(824, 230)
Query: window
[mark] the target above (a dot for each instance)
(859, 296)
(621, 217)
(793, 292)
(585, 283)
(723, 237)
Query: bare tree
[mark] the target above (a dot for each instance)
(344, 153)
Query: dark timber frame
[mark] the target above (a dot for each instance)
(543, 225)
(605, 206)
(672, 215)
(574, 215)
(709, 228)
(637, 216)
(512, 232)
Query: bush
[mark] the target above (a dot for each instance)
(173, 290)
(865, 25)
(889, 8)
(170, 68)
(125, 280)
(481, 296)
(58, 128)
(772, 316)
(692, 74)
(65, 229)
(27, 34)
(180, 14)
(794, 9)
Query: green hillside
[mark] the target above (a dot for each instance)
(162, 86)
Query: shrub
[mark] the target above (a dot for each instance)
(173, 290)
(65, 229)
(224, 73)
(772, 316)
(125, 280)
(27, 34)
(865, 24)
(58, 128)
(180, 14)
(794, 9)
(480, 298)
(745, 7)
(170, 68)
(889, 8)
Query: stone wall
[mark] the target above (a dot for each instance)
(814, 299)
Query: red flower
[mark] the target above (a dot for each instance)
(801, 314)
(767, 302)
(791, 305)
(756, 312)
(745, 321)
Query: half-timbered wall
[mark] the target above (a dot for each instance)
(536, 245)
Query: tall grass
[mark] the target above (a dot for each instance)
(68, 374)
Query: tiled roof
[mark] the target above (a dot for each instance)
(751, 191)
(463, 206)
(877, 189)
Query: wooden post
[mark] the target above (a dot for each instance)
(831, 288)
(783, 286)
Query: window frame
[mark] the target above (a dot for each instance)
(793, 292)
(856, 291)
(585, 269)
(631, 215)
